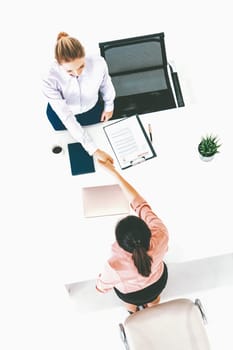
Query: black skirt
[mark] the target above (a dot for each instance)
(145, 295)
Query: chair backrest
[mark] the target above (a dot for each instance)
(176, 325)
(139, 70)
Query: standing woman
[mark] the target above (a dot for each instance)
(79, 92)
(136, 270)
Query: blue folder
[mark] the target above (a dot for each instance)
(80, 161)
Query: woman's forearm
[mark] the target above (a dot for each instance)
(128, 190)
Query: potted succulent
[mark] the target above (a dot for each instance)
(208, 147)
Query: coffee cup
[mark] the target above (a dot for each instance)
(57, 149)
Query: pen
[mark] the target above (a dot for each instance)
(150, 132)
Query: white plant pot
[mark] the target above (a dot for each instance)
(206, 159)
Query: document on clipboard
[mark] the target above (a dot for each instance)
(129, 141)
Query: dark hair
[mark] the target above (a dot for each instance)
(133, 235)
(67, 48)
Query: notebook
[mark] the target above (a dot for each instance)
(104, 200)
(80, 161)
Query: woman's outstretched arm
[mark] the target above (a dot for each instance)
(128, 190)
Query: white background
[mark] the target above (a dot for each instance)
(198, 37)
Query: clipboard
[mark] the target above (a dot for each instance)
(80, 161)
(129, 141)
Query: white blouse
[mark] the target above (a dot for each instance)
(69, 95)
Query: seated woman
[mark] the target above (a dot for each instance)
(79, 92)
(136, 270)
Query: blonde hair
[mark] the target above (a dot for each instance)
(67, 48)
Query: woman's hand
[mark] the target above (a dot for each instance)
(103, 156)
(109, 166)
(106, 116)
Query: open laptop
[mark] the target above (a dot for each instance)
(104, 200)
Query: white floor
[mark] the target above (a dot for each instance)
(99, 330)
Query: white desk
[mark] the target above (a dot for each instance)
(192, 197)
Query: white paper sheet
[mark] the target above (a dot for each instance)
(129, 141)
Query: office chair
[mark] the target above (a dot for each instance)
(178, 324)
(143, 80)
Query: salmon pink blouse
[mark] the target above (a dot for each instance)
(120, 271)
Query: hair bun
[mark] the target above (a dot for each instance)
(62, 35)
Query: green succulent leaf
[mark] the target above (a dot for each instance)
(209, 145)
